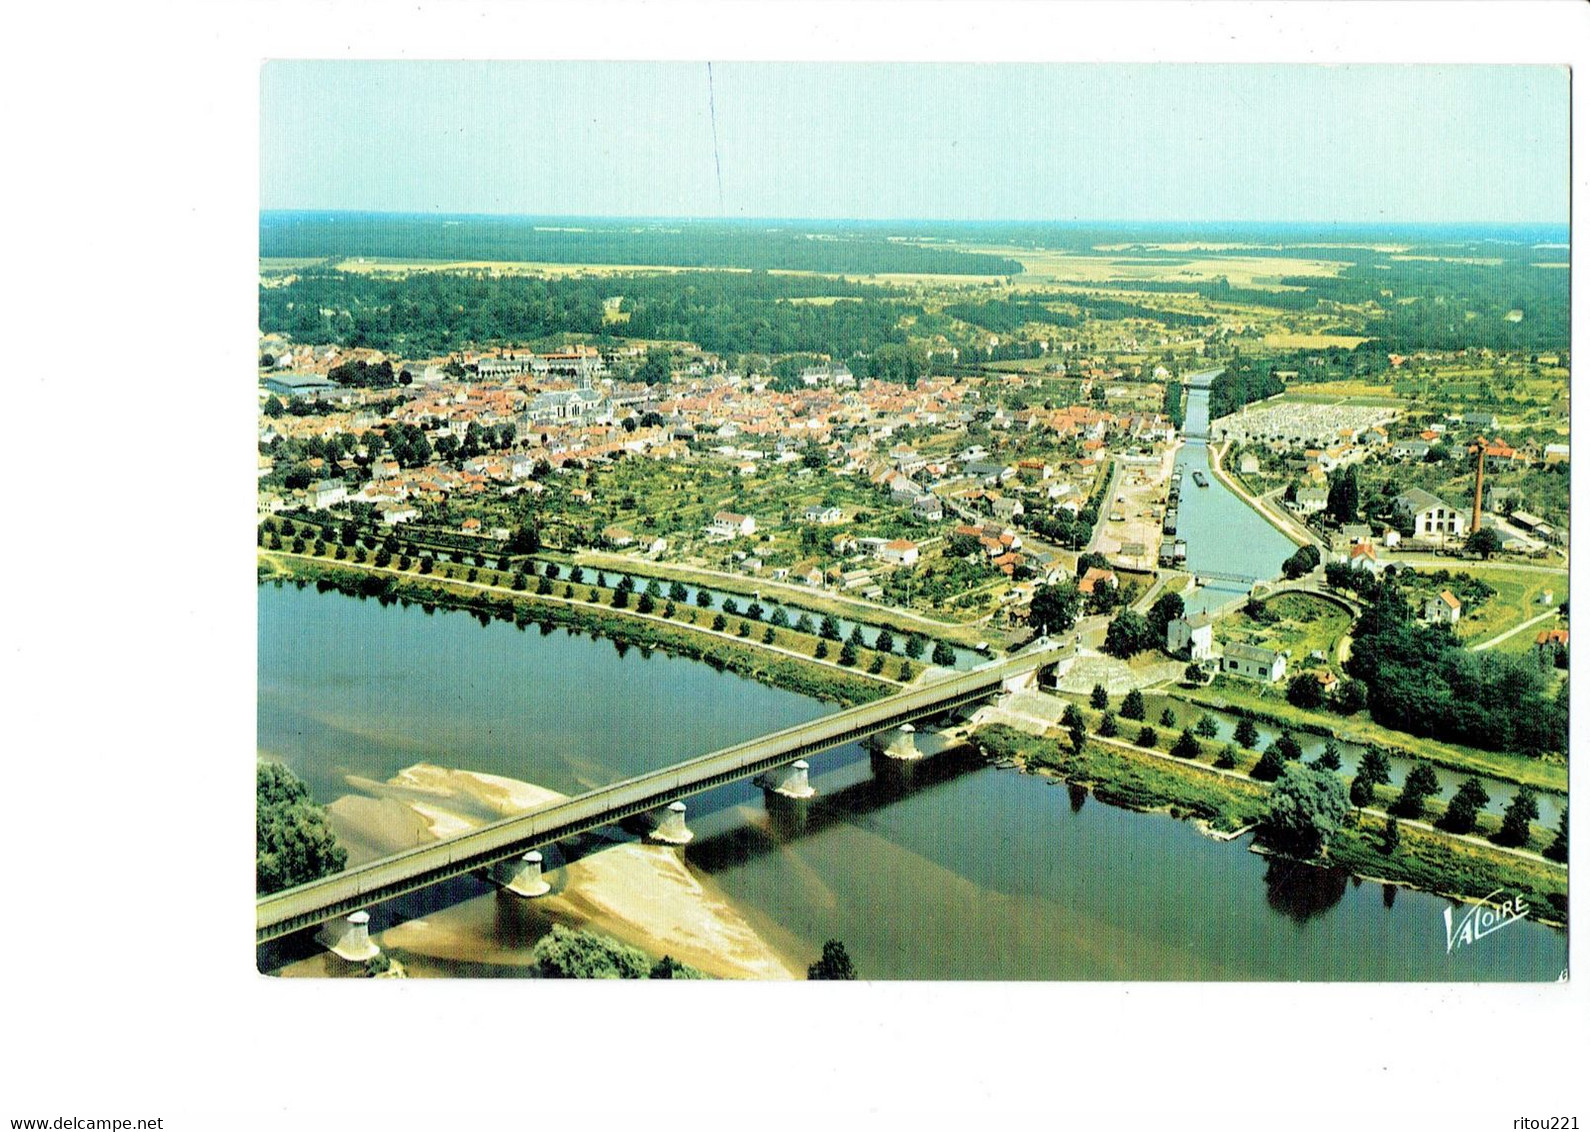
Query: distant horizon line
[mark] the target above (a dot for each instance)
(1097, 222)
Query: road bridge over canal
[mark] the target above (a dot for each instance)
(1223, 576)
(355, 889)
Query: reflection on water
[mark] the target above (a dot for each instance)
(935, 869)
(793, 819)
(1300, 891)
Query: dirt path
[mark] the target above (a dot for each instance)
(1515, 630)
(1468, 564)
(1277, 519)
(856, 609)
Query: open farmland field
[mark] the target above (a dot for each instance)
(555, 270)
(1218, 246)
(402, 267)
(1287, 340)
(1045, 268)
(1523, 396)
(1482, 261)
(288, 263)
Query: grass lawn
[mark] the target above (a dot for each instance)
(1307, 395)
(1440, 864)
(1306, 624)
(1515, 602)
(1138, 781)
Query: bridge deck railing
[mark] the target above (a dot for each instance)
(284, 912)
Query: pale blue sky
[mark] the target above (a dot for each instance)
(1065, 142)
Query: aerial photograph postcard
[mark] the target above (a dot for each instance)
(907, 521)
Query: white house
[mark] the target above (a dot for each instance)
(1431, 518)
(1362, 557)
(1193, 637)
(327, 493)
(1310, 500)
(827, 516)
(727, 524)
(899, 552)
(1255, 662)
(1443, 608)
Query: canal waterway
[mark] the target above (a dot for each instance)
(1223, 533)
(1500, 793)
(945, 869)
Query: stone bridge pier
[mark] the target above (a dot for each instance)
(522, 877)
(900, 744)
(349, 938)
(669, 827)
(789, 781)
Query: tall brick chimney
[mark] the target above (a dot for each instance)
(1479, 483)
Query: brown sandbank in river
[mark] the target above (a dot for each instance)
(645, 895)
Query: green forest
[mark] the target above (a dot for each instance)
(434, 312)
(1462, 291)
(1236, 386)
(855, 249)
(1421, 680)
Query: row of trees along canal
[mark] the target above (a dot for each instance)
(1309, 801)
(516, 570)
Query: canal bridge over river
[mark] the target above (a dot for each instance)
(352, 890)
(1312, 586)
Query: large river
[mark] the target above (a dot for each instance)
(962, 871)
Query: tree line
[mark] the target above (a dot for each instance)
(1421, 680)
(850, 248)
(427, 313)
(293, 844)
(1236, 386)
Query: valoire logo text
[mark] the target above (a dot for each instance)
(1482, 920)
